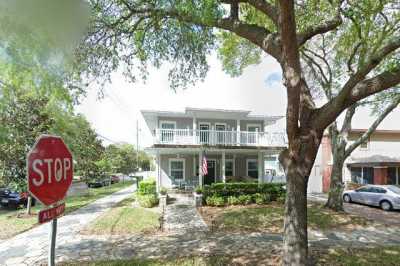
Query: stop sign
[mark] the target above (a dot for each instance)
(50, 169)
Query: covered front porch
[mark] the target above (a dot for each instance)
(181, 167)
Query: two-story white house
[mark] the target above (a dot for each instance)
(377, 161)
(235, 143)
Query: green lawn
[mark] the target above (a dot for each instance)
(269, 218)
(359, 256)
(384, 256)
(125, 219)
(187, 261)
(13, 222)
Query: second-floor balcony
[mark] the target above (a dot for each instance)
(215, 137)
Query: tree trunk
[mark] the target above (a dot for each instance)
(295, 243)
(298, 164)
(335, 200)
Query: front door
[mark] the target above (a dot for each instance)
(210, 177)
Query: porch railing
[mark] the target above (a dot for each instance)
(215, 137)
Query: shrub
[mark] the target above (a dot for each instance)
(232, 200)
(163, 191)
(281, 199)
(198, 190)
(147, 187)
(215, 201)
(259, 198)
(274, 190)
(245, 199)
(147, 201)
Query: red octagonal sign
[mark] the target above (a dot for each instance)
(50, 169)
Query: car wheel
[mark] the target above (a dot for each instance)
(386, 205)
(347, 198)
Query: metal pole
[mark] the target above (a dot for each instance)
(52, 247)
(137, 145)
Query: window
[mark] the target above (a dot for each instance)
(177, 169)
(252, 168)
(362, 175)
(364, 145)
(364, 189)
(392, 176)
(368, 175)
(356, 174)
(220, 131)
(253, 130)
(167, 132)
(229, 168)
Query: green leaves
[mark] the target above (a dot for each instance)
(237, 53)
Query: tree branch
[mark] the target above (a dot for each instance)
(319, 29)
(260, 5)
(348, 119)
(356, 88)
(258, 35)
(373, 127)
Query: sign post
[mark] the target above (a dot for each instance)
(50, 172)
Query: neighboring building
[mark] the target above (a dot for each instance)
(235, 143)
(376, 161)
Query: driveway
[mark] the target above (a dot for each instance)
(369, 212)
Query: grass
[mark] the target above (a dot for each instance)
(184, 261)
(359, 256)
(269, 218)
(13, 222)
(335, 257)
(125, 219)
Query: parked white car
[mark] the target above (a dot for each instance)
(385, 196)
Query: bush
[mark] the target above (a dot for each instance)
(260, 199)
(147, 187)
(215, 201)
(232, 200)
(274, 190)
(281, 199)
(198, 190)
(147, 201)
(245, 199)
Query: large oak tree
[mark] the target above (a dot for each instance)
(133, 34)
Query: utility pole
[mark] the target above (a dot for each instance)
(137, 145)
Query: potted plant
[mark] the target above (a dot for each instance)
(163, 197)
(198, 196)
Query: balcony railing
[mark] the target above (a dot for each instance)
(215, 137)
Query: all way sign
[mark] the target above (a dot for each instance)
(52, 213)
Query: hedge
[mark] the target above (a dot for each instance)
(225, 190)
(243, 193)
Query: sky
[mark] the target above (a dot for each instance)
(259, 89)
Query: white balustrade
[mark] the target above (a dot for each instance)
(215, 137)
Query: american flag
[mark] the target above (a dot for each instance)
(204, 166)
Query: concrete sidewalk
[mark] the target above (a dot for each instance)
(31, 247)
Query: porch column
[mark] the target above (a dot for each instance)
(194, 165)
(260, 167)
(200, 172)
(238, 132)
(194, 129)
(158, 166)
(223, 167)
(397, 175)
